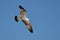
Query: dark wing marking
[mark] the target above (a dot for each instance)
(16, 19)
(27, 23)
(23, 11)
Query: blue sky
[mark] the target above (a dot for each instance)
(43, 14)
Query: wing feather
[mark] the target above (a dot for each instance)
(23, 11)
(28, 25)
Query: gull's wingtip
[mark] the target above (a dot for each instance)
(31, 31)
(20, 7)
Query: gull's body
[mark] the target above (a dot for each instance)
(24, 19)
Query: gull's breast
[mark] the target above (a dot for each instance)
(27, 19)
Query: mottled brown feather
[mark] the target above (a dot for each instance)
(27, 23)
(23, 11)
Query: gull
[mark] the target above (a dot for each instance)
(24, 19)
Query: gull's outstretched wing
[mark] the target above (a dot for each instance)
(23, 11)
(28, 25)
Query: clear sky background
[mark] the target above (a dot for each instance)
(44, 16)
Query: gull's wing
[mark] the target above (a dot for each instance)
(23, 11)
(28, 25)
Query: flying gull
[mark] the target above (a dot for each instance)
(24, 19)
